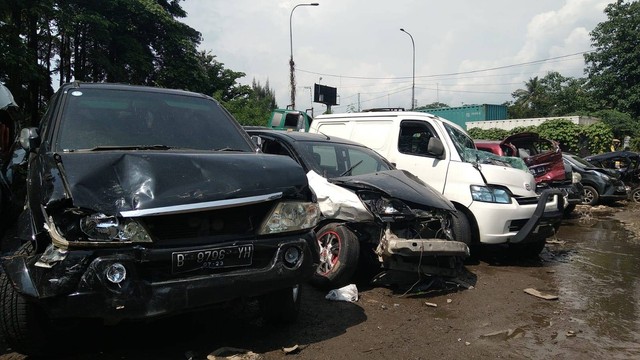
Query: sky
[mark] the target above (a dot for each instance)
(467, 52)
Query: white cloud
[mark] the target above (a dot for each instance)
(357, 46)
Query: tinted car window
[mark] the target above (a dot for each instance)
(121, 118)
(333, 159)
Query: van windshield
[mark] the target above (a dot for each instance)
(463, 143)
(468, 152)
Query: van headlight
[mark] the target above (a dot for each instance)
(490, 194)
(291, 216)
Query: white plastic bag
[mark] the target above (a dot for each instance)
(345, 293)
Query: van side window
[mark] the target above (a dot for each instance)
(414, 138)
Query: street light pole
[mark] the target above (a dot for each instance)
(413, 82)
(292, 78)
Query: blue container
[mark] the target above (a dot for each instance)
(460, 115)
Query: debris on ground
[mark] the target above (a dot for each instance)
(345, 293)
(293, 349)
(505, 334)
(555, 242)
(536, 293)
(230, 353)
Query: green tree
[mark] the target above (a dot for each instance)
(435, 105)
(565, 95)
(531, 101)
(598, 137)
(254, 107)
(488, 134)
(521, 129)
(23, 23)
(614, 67)
(561, 130)
(134, 41)
(621, 124)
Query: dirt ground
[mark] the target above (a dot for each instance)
(485, 315)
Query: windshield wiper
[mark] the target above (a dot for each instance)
(228, 149)
(351, 168)
(130, 147)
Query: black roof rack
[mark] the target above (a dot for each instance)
(384, 109)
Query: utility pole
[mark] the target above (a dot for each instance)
(413, 82)
(292, 64)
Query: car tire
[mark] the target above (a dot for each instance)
(339, 256)
(635, 195)
(591, 196)
(23, 325)
(281, 307)
(461, 229)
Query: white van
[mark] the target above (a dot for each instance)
(497, 203)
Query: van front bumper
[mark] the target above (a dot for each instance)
(519, 223)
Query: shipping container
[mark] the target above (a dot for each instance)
(463, 114)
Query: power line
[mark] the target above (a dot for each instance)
(448, 74)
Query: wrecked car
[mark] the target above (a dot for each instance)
(601, 186)
(8, 128)
(369, 208)
(145, 202)
(626, 165)
(543, 158)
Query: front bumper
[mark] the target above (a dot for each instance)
(617, 191)
(548, 220)
(571, 192)
(77, 286)
(519, 222)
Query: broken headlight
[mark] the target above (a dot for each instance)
(101, 227)
(383, 206)
(291, 216)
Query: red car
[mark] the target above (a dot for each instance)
(544, 159)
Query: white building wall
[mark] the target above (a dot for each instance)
(513, 123)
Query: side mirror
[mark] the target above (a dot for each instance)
(257, 140)
(435, 147)
(29, 139)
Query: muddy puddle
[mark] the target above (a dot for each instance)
(597, 271)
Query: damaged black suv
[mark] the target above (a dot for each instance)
(142, 202)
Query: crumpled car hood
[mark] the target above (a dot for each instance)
(399, 184)
(520, 137)
(116, 181)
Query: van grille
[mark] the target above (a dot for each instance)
(527, 200)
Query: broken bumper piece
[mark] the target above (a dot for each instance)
(427, 247)
(429, 256)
